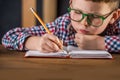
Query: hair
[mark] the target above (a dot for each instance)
(114, 4)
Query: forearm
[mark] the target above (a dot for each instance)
(108, 43)
(32, 43)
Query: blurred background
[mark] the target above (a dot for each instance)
(16, 13)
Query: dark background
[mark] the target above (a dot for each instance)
(10, 14)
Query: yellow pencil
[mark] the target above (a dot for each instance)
(43, 24)
(40, 20)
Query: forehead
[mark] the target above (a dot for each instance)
(89, 6)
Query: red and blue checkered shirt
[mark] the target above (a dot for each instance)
(15, 38)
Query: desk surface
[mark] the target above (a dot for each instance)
(13, 66)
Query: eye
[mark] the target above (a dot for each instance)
(78, 12)
(95, 16)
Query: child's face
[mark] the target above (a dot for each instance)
(89, 7)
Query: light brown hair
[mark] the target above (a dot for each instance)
(114, 4)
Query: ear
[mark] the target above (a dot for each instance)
(115, 16)
(70, 1)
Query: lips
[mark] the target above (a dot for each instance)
(83, 31)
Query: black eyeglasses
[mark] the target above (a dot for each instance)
(92, 19)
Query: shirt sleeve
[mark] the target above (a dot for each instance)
(112, 43)
(15, 38)
(112, 40)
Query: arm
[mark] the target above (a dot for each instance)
(50, 43)
(16, 39)
(110, 42)
(90, 42)
(95, 42)
(45, 43)
(112, 38)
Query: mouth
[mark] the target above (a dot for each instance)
(83, 31)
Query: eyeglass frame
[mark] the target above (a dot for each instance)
(89, 14)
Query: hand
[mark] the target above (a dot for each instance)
(45, 43)
(90, 42)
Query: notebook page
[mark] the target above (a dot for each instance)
(72, 48)
(75, 52)
(40, 54)
(90, 54)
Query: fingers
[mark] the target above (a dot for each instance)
(48, 48)
(79, 36)
(85, 41)
(79, 39)
(61, 44)
(50, 43)
(55, 40)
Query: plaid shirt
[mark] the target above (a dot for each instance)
(15, 39)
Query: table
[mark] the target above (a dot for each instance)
(13, 66)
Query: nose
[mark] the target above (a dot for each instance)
(84, 22)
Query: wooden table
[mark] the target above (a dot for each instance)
(13, 66)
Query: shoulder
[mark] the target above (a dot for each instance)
(64, 18)
(113, 29)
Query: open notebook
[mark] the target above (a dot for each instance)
(71, 52)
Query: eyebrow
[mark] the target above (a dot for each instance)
(95, 13)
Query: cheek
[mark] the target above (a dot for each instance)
(104, 26)
(74, 24)
(100, 29)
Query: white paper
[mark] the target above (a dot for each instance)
(40, 54)
(90, 54)
(72, 52)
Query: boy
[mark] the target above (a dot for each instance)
(90, 24)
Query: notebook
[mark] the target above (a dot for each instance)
(70, 52)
